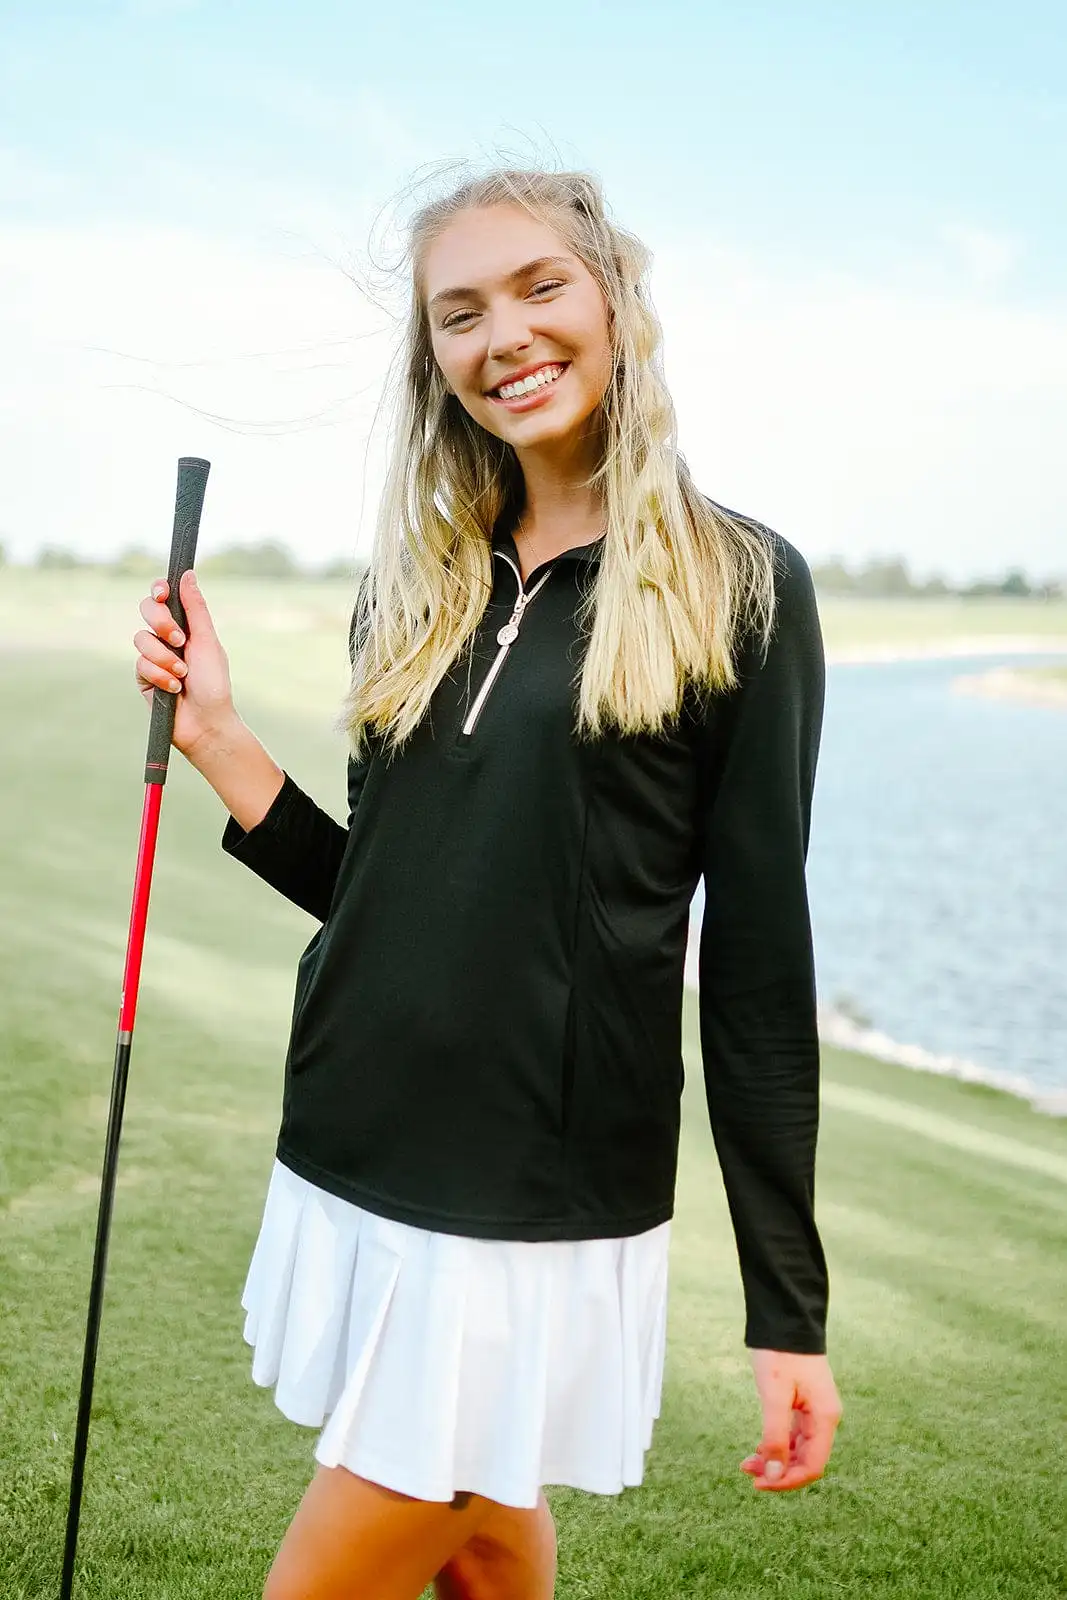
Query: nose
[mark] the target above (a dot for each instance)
(509, 330)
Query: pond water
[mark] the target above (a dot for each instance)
(937, 868)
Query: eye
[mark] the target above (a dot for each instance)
(457, 319)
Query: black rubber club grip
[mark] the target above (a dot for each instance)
(188, 504)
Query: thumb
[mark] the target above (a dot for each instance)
(773, 1447)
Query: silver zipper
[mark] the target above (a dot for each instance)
(505, 638)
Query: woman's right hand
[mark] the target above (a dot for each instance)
(200, 682)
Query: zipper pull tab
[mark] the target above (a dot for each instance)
(510, 631)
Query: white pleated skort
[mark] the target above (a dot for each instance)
(441, 1363)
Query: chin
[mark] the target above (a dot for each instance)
(544, 428)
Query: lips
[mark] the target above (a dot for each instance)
(525, 372)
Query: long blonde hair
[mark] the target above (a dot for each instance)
(678, 576)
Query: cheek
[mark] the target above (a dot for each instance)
(445, 367)
(463, 381)
(592, 338)
(597, 364)
(448, 354)
(463, 375)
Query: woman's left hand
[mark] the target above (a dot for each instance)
(801, 1411)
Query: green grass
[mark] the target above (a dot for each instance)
(101, 610)
(853, 623)
(943, 1208)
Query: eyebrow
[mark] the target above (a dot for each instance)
(446, 296)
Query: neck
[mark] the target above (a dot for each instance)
(559, 509)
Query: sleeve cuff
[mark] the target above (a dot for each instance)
(797, 1341)
(235, 839)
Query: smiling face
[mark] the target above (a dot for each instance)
(507, 299)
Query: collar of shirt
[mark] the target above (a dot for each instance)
(578, 552)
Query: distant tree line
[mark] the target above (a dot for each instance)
(879, 577)
(884, 577)
(269, 558)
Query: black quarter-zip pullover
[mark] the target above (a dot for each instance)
(486, 1027)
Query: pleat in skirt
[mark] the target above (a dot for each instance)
(435, 1363)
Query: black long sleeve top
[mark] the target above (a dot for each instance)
(486, 1026)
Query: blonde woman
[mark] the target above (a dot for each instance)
(578, 685)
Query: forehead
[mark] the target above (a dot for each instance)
(479, 248)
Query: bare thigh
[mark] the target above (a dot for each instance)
(510, 1556)
(352, 1539)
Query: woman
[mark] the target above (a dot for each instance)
(462, 1261)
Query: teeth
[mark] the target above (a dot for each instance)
(536, 380)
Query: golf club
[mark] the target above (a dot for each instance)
(189, 500)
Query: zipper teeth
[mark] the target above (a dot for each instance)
(517, 614)
(487, 683)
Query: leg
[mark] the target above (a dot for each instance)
(355, 1540)
(511, 1556)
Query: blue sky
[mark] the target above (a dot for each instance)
(857, 214)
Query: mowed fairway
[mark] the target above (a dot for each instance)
(943, 1209)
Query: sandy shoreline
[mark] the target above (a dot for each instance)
(837, 1029)
(1005, 684)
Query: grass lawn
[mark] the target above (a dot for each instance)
(42, 606)
(851, 623)
(943, 1207)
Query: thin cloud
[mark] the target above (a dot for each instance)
(364, 120)
(24, 180)
(987, 257)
